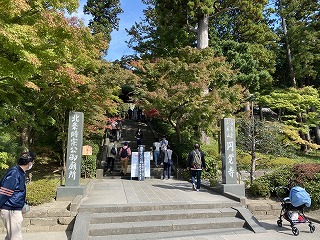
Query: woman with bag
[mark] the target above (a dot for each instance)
(167, 163)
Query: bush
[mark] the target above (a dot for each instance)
(213, 161)
(260, 187)
(305, 172)
(278, 177)
(308, 176)
(89, 163)
(312, 187)
(268, 162)
(42, 191)
(304, 175)
(243, 161)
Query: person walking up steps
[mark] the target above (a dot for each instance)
(196, 163)
(167, 163)
(111, 156)
(156, 151)
(163, 147)
(139, 135)
(124, 153)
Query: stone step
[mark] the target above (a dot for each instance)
(152, 207)
(159, 215)
(164, 226)
(190, 234)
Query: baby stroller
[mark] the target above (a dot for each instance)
(293, 207)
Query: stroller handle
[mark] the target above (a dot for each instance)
(285, 189)
(281, 187)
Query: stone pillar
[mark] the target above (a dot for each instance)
(72, 186)
(141, 163)
(229, 160)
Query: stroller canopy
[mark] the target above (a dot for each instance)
(299, 196)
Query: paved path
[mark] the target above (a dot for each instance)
(122, 191)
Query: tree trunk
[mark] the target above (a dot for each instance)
(178, 132)
(260, 113)
(304, 136)
(289, 57)
(317, 134)
(253, 146)
(203, 29)
(26, 139)
(176, 126)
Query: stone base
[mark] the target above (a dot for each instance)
(99, 174)
(68, 193)
(233, 189)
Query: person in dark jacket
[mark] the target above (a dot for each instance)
(13, 195)
(196, 170)
(139, 135)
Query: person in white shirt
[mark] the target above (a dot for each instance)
(156, 152)
(111, 156)
(167, 163)
(163, 147)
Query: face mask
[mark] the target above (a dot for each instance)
(30, 166)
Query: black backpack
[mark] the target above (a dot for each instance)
(124, 153)
(113, 151)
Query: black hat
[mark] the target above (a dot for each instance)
(25, 158)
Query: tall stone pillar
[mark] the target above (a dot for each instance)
(229, 160)
(72, 186)
(141, 164)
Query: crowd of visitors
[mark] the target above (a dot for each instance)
(161, 150)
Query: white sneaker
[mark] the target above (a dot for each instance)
(198, 190)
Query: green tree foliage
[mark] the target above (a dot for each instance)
(302, 23)
(176, 88)
(105, 16)
(238, 30)
(163, 30)
(268, 137)
(294, 107)
(51, 65)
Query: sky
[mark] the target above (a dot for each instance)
(132, 12)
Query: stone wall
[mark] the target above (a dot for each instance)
(51, 217)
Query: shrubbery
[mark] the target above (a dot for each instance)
(89, 163)
(304, 175)
(42, 191)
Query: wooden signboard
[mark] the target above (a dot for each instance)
(86, 150)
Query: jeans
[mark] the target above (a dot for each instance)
(110, 161)
(156, 155)
(196, 174)
(167, 168)
(139, 141)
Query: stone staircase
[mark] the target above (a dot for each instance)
(128, 131)
(141, 221)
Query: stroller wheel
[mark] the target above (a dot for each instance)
(312, 228)
(279, 222)
(295, 231)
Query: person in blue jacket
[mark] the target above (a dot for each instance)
(13, 195)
